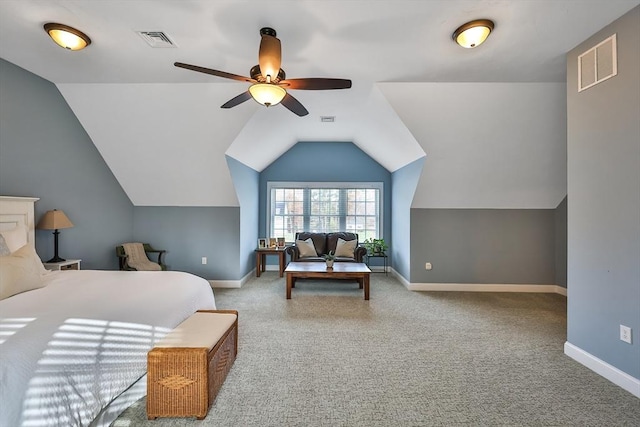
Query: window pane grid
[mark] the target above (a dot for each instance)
(296, 208)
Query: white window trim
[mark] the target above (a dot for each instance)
(342, 184)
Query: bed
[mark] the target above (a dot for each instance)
(73, 349)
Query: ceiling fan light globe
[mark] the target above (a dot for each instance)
(267, 94)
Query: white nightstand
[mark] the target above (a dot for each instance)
(70, 264)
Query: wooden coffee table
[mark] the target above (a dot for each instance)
(318, 270)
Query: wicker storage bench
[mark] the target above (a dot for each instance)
(187, 367)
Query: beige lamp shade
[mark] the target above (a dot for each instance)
(54, 220)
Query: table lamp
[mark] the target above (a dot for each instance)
(55, 220)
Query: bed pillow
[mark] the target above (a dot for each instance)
(19, 272)
(15, 239)
(346, 248)
(4, 249)
(306, 248)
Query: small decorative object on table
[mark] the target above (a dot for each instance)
(281, 242)
(272, 242)
(329, 259)
(262, 243)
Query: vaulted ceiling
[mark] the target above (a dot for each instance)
(146, 116)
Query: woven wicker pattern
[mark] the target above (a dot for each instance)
(176, 382)
(184, 382)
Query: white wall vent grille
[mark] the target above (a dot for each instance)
(156, 39)
(598, 64)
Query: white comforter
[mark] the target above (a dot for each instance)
(68, 349)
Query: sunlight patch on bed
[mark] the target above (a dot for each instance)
(9, 327)
(84, 363)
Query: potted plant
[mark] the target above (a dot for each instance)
(329, 259)
(375, 246)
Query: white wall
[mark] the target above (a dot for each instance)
(162, 141)
(488, 145)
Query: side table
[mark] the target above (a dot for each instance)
(261, 255)
(384, 257)
(70, 264)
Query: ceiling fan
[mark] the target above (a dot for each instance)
(269, 82)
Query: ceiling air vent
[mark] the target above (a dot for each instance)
(156, 39)
(327, 119)
(597, 64)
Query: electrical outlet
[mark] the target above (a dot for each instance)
(428, 266)
(625, 334)
(204, 260)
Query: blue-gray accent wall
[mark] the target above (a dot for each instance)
(46, 153)
(560, 215)
(403, 187)
(190, 233)
(326, 162)
(489, 246)
(246, 182)
(603, 263)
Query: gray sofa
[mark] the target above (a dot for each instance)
(325, 242)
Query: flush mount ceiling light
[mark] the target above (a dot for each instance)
(474, 33)
(67, 37)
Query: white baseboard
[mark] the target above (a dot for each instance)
(232, 283)
(613, 374)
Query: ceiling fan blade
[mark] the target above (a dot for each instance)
(294, 105)
(316, 84)
(270, 54)
(244, 96)
(214, 72)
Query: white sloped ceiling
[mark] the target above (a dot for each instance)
(161, 130)
(162, 141)
(488, 145)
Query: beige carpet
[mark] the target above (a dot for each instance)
(329, 358)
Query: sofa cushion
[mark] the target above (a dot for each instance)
(332, 239)
(345, 248)
(319, 241)
(306, 248)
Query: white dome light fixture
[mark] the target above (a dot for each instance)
(67, 37)
(473, 33)
(267, 94)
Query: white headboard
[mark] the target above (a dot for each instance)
(16, 216)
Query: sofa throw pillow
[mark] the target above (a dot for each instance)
(346, 248)
(19, 273)
(306, 248)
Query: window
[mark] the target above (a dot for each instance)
(324, 208)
